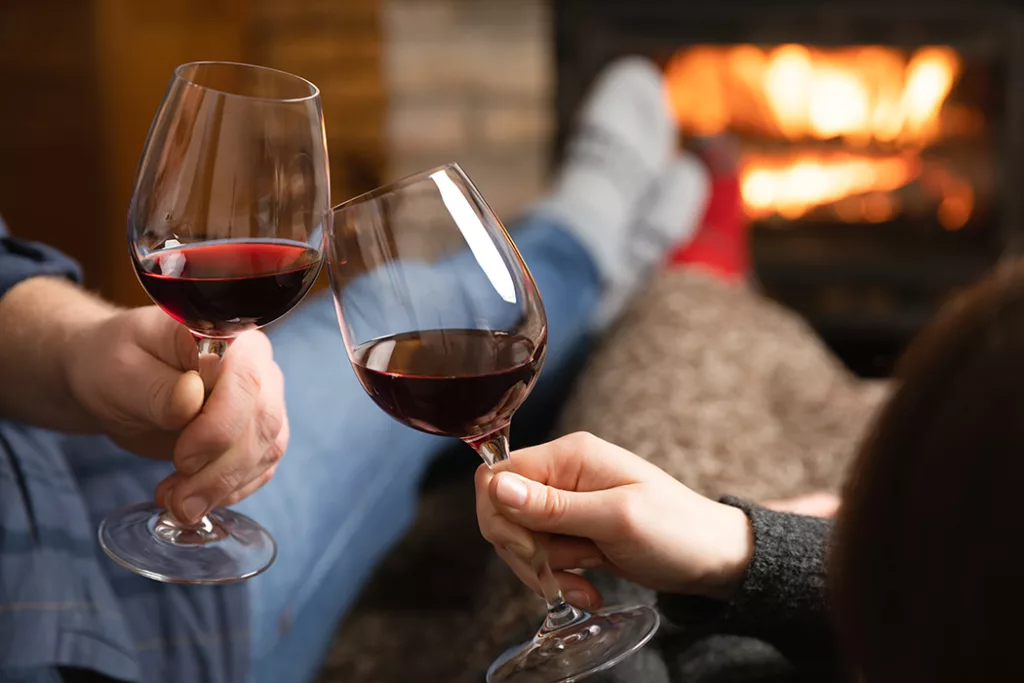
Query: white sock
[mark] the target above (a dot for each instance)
(676, 206)
(624, 139)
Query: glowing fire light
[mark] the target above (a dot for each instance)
(790, 185)
(868, 98)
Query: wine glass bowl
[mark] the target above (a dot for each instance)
(443, 323)
(226, 233)
(446, 331)
(226, 222)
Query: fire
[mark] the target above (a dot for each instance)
(881, 105)
(790, 185)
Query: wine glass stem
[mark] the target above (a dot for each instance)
(494, 449)
(211, 353)
(218, 347)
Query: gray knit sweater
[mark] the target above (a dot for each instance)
(776, 628)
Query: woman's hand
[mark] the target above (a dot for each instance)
(820, 504)
(606, 507)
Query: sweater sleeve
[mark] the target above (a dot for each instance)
(781, 600)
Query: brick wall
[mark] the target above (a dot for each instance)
(337, 45)
(471, 81)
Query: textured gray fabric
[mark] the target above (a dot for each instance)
(726, 391)
(780, 603)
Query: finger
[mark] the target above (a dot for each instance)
(168, 354)
(813, 505)
(165, 487)
(263, 472)
(216, 482)
(562, 552)
(523, 571)
(568, 552)
(168, 399)
(228, 411)
(166, 340)
(496, 529)
(594, 514)
(232, 471)
(252, 487)
(578, 462)
(579, 591)
(176, 405)
(575, 588)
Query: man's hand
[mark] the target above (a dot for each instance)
(606, 506)
(72, 362)
(134, 373)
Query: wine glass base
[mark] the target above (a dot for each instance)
(598, 641)
(233, 548)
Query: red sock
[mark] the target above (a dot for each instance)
(720, 243)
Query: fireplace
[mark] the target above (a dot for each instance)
(879, 144)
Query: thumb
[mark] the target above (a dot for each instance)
(548, 509)
(175, 398)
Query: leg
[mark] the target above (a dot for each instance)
(347, 488)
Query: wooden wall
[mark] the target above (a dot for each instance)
(80, 81)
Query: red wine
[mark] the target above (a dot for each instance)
(462, 383)
(222, 288)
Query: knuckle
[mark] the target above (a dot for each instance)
(269, 423)
(274, 453)
(216, 437)
(482, 479)
(630, 520)
(226, 482)
(486, 531)
(247, 378)
(155, 393)
(124, 353)
(581, 441)
(553, 504)
(183, 458)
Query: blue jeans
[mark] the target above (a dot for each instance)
(346, 491)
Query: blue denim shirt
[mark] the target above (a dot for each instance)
(63, 604)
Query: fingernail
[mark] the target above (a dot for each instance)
(591, 562)
(194, 508)
(519, 551)
(578, 598)
(511, 490)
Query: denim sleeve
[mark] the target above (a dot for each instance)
(20, 260)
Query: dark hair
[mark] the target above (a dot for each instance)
(927, 570)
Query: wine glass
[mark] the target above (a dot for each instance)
(226, 233)
(446, 331)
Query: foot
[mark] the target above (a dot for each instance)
(625, 137)
(670, 215)
(720, 245)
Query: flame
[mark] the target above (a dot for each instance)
(883, 106)
(790, 185)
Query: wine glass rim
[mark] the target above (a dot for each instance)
(397, 185)
(179, 73)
